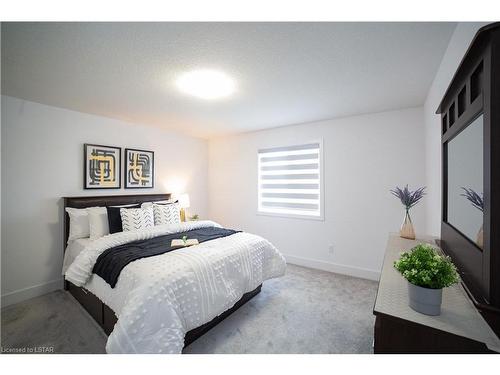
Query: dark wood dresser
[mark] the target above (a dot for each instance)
(398, 329)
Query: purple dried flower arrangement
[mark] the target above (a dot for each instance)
(474, 198)
(408, 198)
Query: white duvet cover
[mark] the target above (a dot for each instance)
(158, 299)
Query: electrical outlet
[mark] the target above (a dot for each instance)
(330, 249)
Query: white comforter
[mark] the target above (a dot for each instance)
(170, 294)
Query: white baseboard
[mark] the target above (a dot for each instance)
(31, 292)
(342, 269)
(38, 290)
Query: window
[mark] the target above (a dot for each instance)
(290, 181)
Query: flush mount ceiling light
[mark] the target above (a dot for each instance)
(206, 84)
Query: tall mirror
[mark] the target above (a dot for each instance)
(465, 182)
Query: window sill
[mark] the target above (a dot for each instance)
(291, 216)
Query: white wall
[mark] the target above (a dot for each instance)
(459, 42)
(364, 157)
(42, 161)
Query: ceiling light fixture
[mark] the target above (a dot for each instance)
(206, 84)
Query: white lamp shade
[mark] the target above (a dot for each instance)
(184, 201)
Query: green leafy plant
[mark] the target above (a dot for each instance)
(194, 217)
(184, 239)
(423, 266)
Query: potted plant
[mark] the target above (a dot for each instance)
(427, 273)
(408, 199)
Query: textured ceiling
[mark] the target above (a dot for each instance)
(286, 73)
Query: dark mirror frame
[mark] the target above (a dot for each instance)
(475, 90)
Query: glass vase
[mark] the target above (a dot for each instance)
(407, 230)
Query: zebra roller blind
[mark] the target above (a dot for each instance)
(290, 180)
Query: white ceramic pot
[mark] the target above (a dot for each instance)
(424, 300)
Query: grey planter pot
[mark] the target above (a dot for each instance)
(424, 300)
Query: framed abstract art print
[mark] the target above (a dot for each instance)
(101, 167)
(139, 169)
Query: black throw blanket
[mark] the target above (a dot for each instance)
(112, 261)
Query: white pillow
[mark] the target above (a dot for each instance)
(78, 223)
(98, 222)
(166, 213)
(137, 218)
(148, 204)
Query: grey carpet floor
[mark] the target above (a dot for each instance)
(306, 311)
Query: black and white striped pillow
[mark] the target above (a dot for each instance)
(137, 218)
(166, 213)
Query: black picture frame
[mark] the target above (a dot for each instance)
(127, 168)
(87, 179)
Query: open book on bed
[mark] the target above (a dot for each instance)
(189, 242)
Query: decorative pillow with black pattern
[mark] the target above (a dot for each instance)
(166, 213)
(134, 219)
(114, 217)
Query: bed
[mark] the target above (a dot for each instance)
(162, 303)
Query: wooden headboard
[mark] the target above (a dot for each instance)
(105, 200)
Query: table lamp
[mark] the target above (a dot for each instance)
(183, 203)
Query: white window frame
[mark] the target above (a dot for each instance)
(321, 216)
